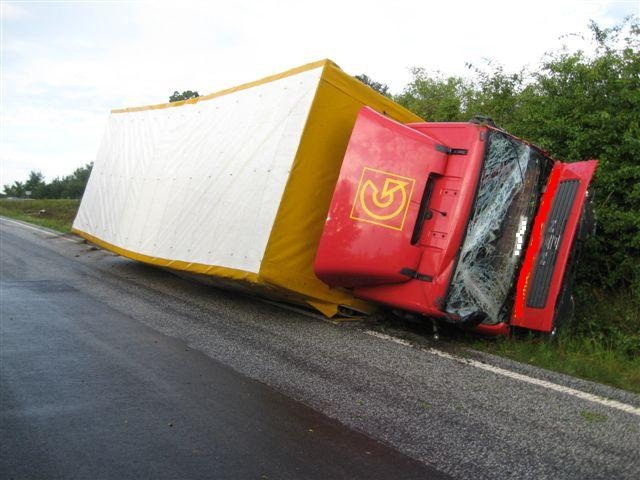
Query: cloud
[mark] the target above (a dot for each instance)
(52, 140)
(12, 11)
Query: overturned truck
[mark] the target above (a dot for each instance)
(311, 188)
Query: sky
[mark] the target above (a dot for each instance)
(65, 65)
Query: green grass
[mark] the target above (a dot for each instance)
(577, 355)
(593, 416)
(55, 214)
(604, 345)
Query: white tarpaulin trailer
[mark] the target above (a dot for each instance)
(234, 185)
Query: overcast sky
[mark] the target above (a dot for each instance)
(66, 64)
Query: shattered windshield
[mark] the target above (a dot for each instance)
(508, 195)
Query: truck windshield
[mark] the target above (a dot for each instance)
(508, 195)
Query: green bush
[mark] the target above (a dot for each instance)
(71, 186)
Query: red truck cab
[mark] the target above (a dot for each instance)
(457, 221)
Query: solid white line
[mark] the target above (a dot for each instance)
(516, 376)
(41, 230)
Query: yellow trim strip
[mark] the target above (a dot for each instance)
(244, 86)
(174, 264)
(360, 92)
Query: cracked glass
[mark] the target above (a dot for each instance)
(508, 195)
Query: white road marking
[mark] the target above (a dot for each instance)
(41, 230)
(516, 376)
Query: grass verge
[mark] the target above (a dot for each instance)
(56, 214)
(595, 359)
(603, 346)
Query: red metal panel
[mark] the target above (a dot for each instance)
(367, 234)
(496, 330)
(542, 318)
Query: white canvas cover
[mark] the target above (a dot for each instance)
(200, 183)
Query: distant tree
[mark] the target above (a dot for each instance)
(187, 94)
(35, 184)
(382, 88)
(15, 190)
(71, 186)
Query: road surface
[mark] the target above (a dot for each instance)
(113, 369)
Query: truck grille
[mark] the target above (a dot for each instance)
(553, 233)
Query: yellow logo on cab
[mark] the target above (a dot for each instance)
(382, 198)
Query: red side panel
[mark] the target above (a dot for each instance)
(496, 330)
(550, 244)
(367, 234)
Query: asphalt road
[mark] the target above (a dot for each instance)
(112, 369)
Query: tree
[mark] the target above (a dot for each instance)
(71, 186)
(15, 190)
(436, 98)
(382, 88)
(187, 94)
(35, 184)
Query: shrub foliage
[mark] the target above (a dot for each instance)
(71, 186)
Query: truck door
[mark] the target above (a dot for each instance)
(553, 236)
(379, 203)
